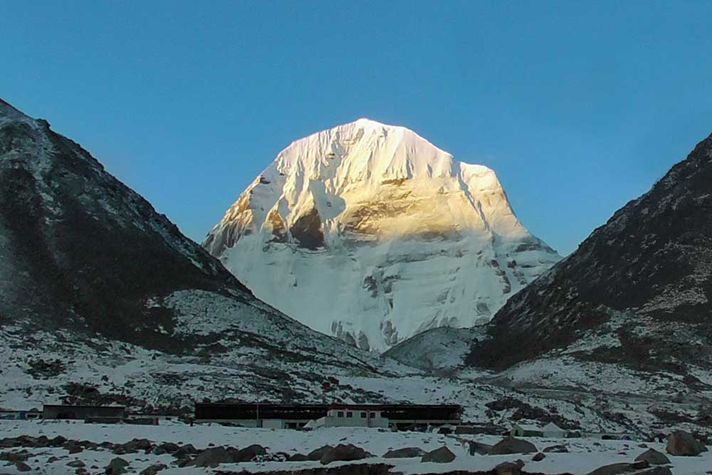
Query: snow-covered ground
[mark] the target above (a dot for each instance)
(585, 454)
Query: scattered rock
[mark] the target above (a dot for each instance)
(653, 457)
(15, 456)
(153, 469)
(317, 454)
(297, 458)
(538, 457)
(22, 467)
(184, 451)
(659, 470)
(74, 448)
(212, 457)
(684, 443)
(441, 455)
(404, 453)
(509, 468)
(511, 445)
(478, 448)
(344, 452)
(249, 453)
(558, 449)
(184, 461)
(166, 448)
(135, 445)
(117, 466)
(618, 468)
(76, 464)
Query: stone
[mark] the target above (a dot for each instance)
(212, 457)
(22, 467)
(117, 466)
(509, 468)
(166, 448)
(317, 454)
(441, 455)
(478, 448)
(344, 452)
(619, 468)
(512, 445)
(297, 458)
(538, 457)
(557, 449)
(684, 444)
(154, 469)
(406, 452)
(249, 454)
(653, 457)
(184, 451)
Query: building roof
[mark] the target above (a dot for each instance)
(81, 406)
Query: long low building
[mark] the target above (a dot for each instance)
(295, 416)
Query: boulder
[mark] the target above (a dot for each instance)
(15, 456)
(184, 451)
(212, 457)
(653, 457)
(344, 452)
(404, 453)
(317, 454)
(556, 449)
(22, 467)
(441, 455)
(117, 466)
(249, 453)
(76, 464)
(538, 457)
(683, 443)
(74, 448)
(619, 468)
(509, 468)
(166, 448)
(154, 469)
(512, 445)
(133, 446)
(478, 448)
(658, 470)
(297, 458)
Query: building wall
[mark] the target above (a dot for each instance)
(332, 421)
(82, 412)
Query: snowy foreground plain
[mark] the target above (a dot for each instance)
(584, 454)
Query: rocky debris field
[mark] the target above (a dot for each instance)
(79, 448)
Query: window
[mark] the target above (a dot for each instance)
(372, 415)
(340, 414)
(349, 414)
(363, 415)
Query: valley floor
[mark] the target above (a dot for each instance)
(585, 454)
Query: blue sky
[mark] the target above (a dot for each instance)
(578, 106)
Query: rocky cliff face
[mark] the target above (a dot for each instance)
(370, 233)
(93, 277)
(637, 291)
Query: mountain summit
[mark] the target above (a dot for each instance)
(371, 233)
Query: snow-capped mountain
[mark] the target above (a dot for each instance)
(636, 292)
(103, 299)
(370, 233)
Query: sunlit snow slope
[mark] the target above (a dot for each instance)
(369, 232)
